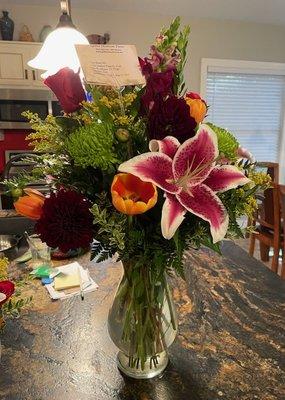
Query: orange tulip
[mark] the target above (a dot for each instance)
(198, 107)
(31, 205)
(131, 196)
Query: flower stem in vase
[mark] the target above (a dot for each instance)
(140, 322)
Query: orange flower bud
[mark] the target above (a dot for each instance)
(198, 107)
(131, 196)
(31, 205)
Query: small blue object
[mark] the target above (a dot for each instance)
(46, 281)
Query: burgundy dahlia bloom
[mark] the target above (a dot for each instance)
(7, 288)
(66, 221)
(171, 117)
(67, 86)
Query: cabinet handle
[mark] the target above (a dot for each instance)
(26, 74)
(34, 75)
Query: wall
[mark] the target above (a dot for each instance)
(209, 38)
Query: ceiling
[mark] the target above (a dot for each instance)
(263, 11)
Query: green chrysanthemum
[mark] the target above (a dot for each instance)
(92, 146)
(227, 143)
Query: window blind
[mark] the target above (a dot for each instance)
(251, 106)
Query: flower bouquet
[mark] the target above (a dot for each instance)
(139, 170)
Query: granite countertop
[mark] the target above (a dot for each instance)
(230, 343)
(8, 213)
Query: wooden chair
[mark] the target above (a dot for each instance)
(267, 226)
(282, 201)
(271, 168)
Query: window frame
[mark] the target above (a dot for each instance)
(247, 67)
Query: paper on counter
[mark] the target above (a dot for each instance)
(88, 284)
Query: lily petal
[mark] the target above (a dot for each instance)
(225, 177)
(196, 156)
(152, 167)
(204, 203)
(172, 216)
(168, 145)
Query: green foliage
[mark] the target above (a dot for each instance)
(49, 164)
(15, 185)
(182, 47)
(92, 146)
(100, 253)
(109, 225)
(227, 143)
(138, 239)
(15, 305)
(47, 136)
(175, 42)
(171, 34)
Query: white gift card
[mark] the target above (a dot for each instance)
(110, 64)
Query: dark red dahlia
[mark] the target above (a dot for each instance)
(171, 117)
(7, 288)
(66, 221)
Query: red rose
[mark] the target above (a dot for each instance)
(66, 85)
(7, 288)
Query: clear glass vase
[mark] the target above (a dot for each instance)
(142, 322)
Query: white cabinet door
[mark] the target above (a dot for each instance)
(14, 70)
(13, 65)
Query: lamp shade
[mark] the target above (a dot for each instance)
(58, 51)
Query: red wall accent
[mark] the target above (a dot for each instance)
(13, 140)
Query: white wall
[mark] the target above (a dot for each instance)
(209, 38)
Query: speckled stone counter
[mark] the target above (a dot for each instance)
(231, 317)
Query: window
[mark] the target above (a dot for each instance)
(248, 98)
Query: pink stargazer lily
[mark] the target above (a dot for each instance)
(190, 177)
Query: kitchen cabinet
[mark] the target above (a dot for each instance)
(14, 70)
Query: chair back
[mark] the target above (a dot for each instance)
(282, 203)
(271, 168)
(268, 214)
(18, 164)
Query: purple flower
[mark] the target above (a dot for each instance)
(159, 84)
(146, 67)
(156, 58)
(171, 117)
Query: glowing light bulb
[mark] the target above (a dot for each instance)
(58, 51)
